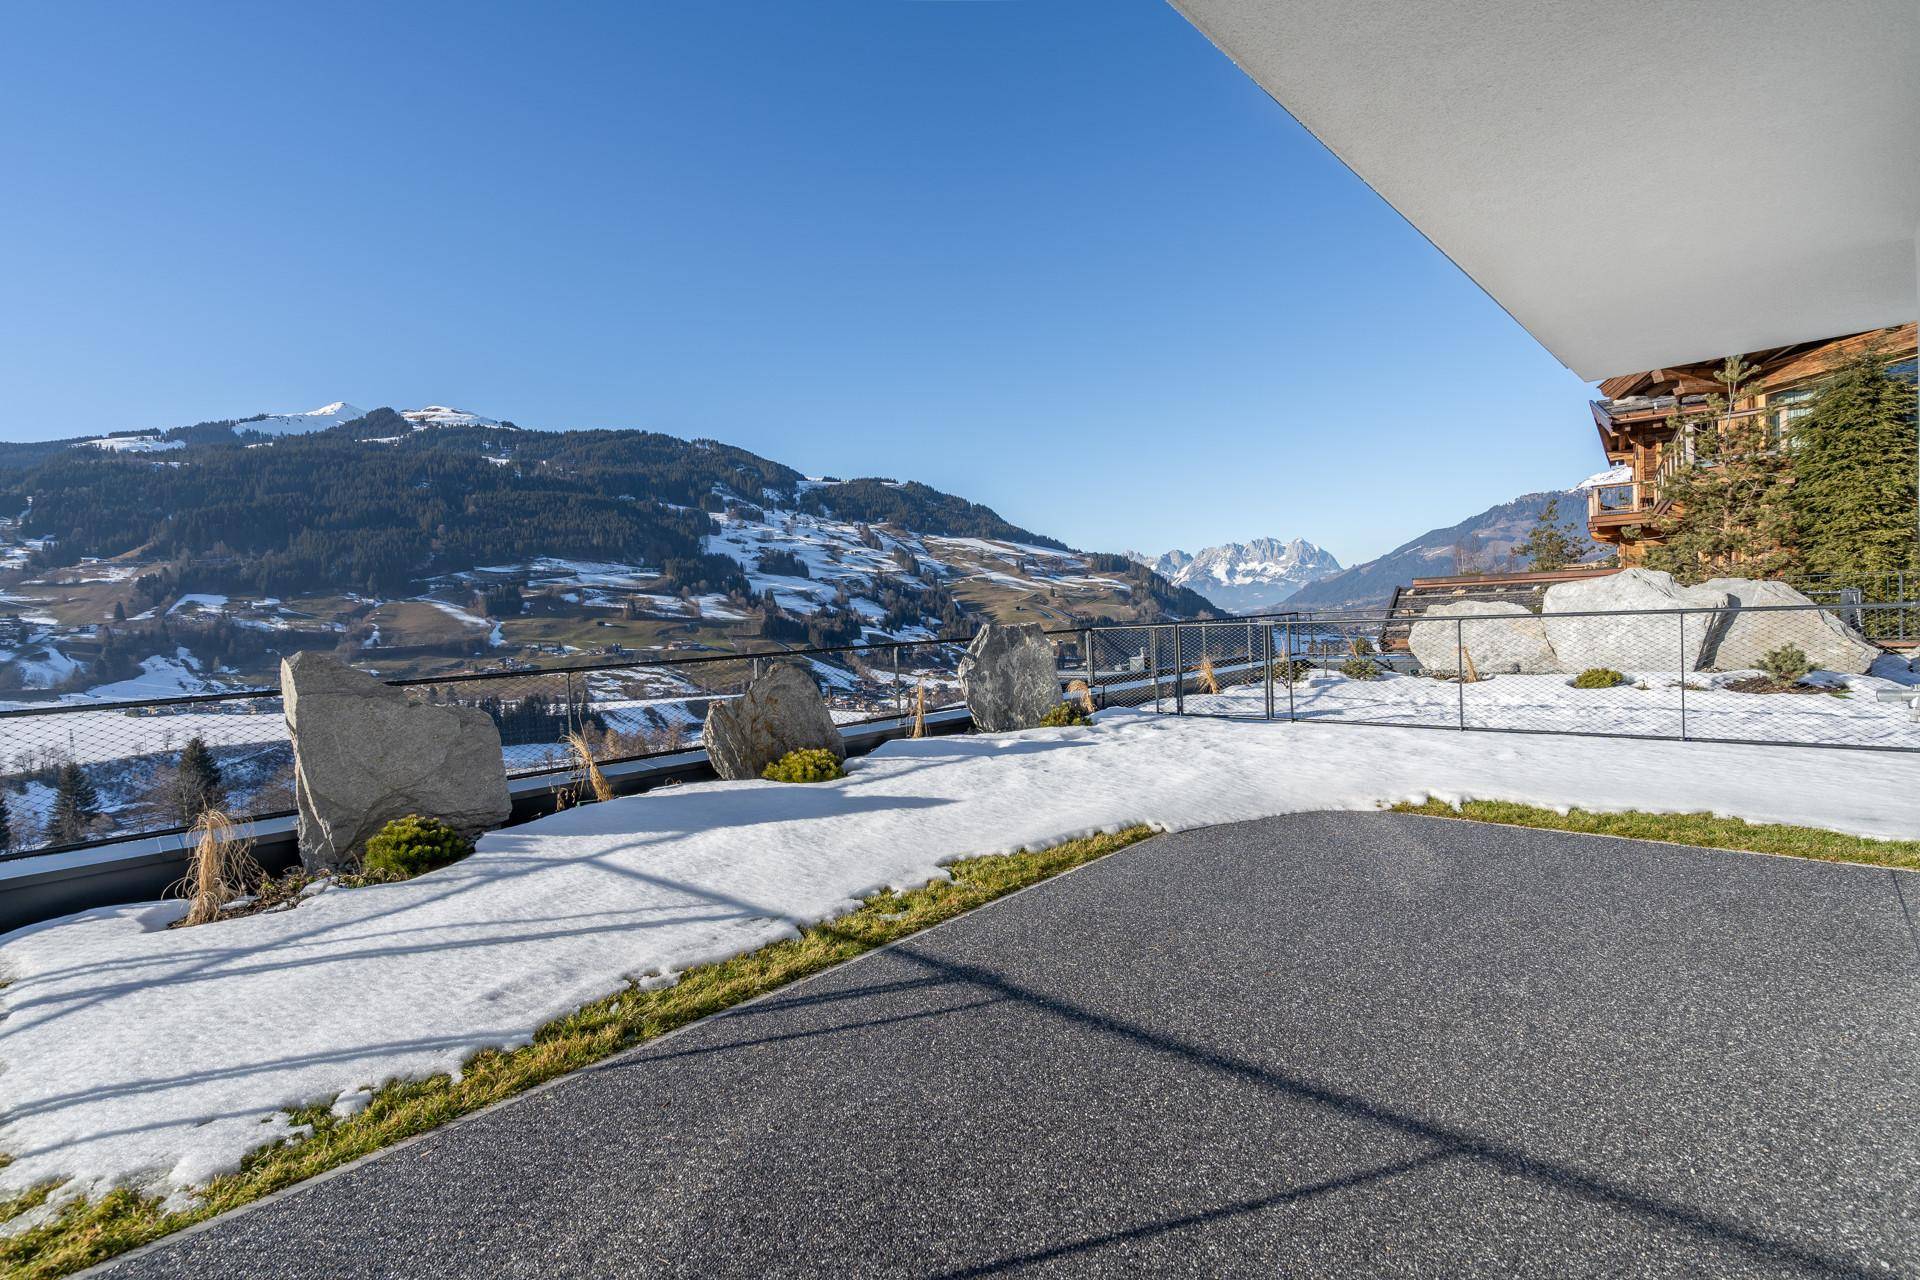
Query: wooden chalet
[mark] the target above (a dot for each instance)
(1635, 419)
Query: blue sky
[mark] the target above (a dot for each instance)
(1058, 256)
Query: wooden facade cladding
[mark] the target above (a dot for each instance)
(1634, 422)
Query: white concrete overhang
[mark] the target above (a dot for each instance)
(1640, 183)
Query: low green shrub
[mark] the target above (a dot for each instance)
(1598, 678)
(1360, 669)
(1292, 672)
(1065, 715)
(1787, 665)
(809, 764)
(411, 846)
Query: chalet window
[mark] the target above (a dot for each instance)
(1908, 369)
(1788, 408)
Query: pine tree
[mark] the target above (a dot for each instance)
(1549, 544)
(1731, 514)
(6, 825)
(1854, 472)
(75, 805)
(198, 785)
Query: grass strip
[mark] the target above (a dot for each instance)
(87, 1232)
(1702, 829)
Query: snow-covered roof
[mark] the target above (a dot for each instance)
(1622, 474)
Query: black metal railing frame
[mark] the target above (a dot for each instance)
(1288, 638)
(1291, 635)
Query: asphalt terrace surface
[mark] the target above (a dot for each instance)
(1326, 1044)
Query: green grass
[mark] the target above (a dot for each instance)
(88, 1232)
(1701, 829)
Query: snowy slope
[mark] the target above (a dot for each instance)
(146, 442)
(1247, 577)
(1484, 542)
(293, 424)
(140, 1055)
(439, 415)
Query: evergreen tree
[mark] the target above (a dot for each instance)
(6, 825)
(1730, 514)
(198, 785)
(1854, 472)
(75, 805)
(1549, 544)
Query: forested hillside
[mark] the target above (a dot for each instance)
(375, 505)
(386, 505)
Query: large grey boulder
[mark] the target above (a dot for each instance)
(781, 711)
(1747, 637)
(1635, 639)
(1500, 638)
(1009, 677)
(364, 755)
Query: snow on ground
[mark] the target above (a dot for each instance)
(440, 415)
(495, 636)
(1648, 705)
(140, 1055)
(201, 601)
(294, 424)
(160, 677)
(39, 663)
(149, 443)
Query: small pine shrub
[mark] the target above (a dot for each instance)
(1787, 665)
(1598, 678)
(810, 764)
(1360, 669)
(411, 846)
(1064, 716)
(1292, 672)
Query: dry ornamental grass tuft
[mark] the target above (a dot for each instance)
(223, 869)
(587, 775)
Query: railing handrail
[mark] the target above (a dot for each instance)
(867, 646)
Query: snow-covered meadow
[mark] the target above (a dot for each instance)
(132, 1054)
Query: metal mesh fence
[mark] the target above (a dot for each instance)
(79, 775)
(1830, 676)
(1813, 675)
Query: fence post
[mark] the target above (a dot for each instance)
(1086, 646)
(1179, 674)
(1266, 662)
(1681, 614)
(899, 699)
(1290, 674)
(1153, 663)
(1460, 665)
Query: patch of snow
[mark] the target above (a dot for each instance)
(440, 415)
(160, 677)
(201, 601)
(294, 424)
(133, 444)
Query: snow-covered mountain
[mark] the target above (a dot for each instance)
(1484, 543)
(439, 415)
(293, 424)
(1246, 577)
